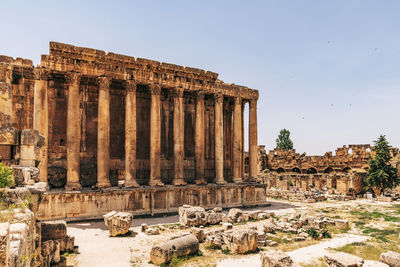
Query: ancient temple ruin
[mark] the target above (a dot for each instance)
(107, 117)
(111, 120)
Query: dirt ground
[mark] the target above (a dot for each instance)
(98, 249)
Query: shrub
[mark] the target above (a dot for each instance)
(6, 176)
(313, 233)
(325, 234)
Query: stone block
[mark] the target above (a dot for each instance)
(235, 215)
(67, 244)
(118, 223)
(227, 226)
(53, 230)
(275, 258)
(391, 258)
(341, 259)
(368, 263)
(192, 216)
(182, 246)
(50, 252)
(342, 224)
(4, 243)
(143, 227)
(199, 234)
(241, 241)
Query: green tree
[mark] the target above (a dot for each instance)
(283, 141)
(6, 176)
(381, 173)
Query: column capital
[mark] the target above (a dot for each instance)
(219, 98)
(155, 89)
(130, 85)
(238, 100)
(177, 92)
(41, 73)
(253, 102)
(104, 82)
(200, 94)
(72, 77)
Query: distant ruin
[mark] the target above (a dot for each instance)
(341, 173)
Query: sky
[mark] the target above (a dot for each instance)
(329, 71)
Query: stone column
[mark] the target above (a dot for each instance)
(40, 117)
(73, 131)
(219, 140)
(103, 133)
(178, 136)
(253, 172)
(242, 167)
(130, 134)
(237, 140)
(199, 139)
(155, 136)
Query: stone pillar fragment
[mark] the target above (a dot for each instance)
(41, 118)
(219, 140)
(199, 139)
(237, 141)
(178, 137)
(103, 133)
(155, 136)
(73, 131)
(130, 134)
(253, 147)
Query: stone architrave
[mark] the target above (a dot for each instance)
(155, 136)
(178, 136)
(130, 134)
(73, 131)
(103, 133)
(199, 139)
(219, 141)
(253, 147)
(41, 117)
(237, 140)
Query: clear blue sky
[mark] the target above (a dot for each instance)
(329, 71)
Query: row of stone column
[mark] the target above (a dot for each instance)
(103, 150)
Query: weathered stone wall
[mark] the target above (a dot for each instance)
(346, 158)
(94, 204)
(340, 183)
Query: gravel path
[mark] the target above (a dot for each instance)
(301, 255)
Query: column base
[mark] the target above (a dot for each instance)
(156, 183)
(221, 182)
(70, 186)
(178, 182)
(201, 181)
(103, 185)
(238, 180)
(131, 184)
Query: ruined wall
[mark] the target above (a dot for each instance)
(339, 183)
(94, 204)
(345, 159)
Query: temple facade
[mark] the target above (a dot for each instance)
(109, 119)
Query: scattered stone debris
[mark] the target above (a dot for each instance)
(179, 247)
(118, 222)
